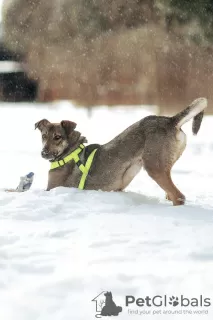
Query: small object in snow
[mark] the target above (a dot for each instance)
(24, 184)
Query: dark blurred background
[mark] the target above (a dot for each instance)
(111, 52)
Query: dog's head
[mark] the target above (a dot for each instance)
(108, 294)
(57, 138)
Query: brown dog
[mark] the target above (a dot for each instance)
(154, 143)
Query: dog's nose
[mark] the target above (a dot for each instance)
(44, 152)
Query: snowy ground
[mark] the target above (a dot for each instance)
(60, 249)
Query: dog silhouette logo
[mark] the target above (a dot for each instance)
(105, 305)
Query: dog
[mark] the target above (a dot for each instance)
(154, 143)
(110, 308)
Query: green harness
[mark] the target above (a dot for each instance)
(75, 156)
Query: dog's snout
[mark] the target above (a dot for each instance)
(44, 152)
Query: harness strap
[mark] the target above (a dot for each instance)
(75, 156)
(72, 156)
(86, 169)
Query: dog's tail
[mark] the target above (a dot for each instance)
(195, 111)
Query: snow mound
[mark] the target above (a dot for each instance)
(60, 249)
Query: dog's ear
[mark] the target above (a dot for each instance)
(68, 126)
(41, 124)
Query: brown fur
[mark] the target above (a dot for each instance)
(154, 143)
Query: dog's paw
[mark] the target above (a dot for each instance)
(179, 201)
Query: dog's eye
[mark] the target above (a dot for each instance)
(57, 137)
(44, 136)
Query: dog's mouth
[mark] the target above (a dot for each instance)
(48, 156)
(51, 156)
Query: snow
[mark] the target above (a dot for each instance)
(60, 249)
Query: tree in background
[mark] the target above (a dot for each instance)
(115, 51)
(199, 12)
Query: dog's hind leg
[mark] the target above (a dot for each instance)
(164, 180)
(168, 197)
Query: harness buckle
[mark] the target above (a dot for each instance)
(61, 164)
